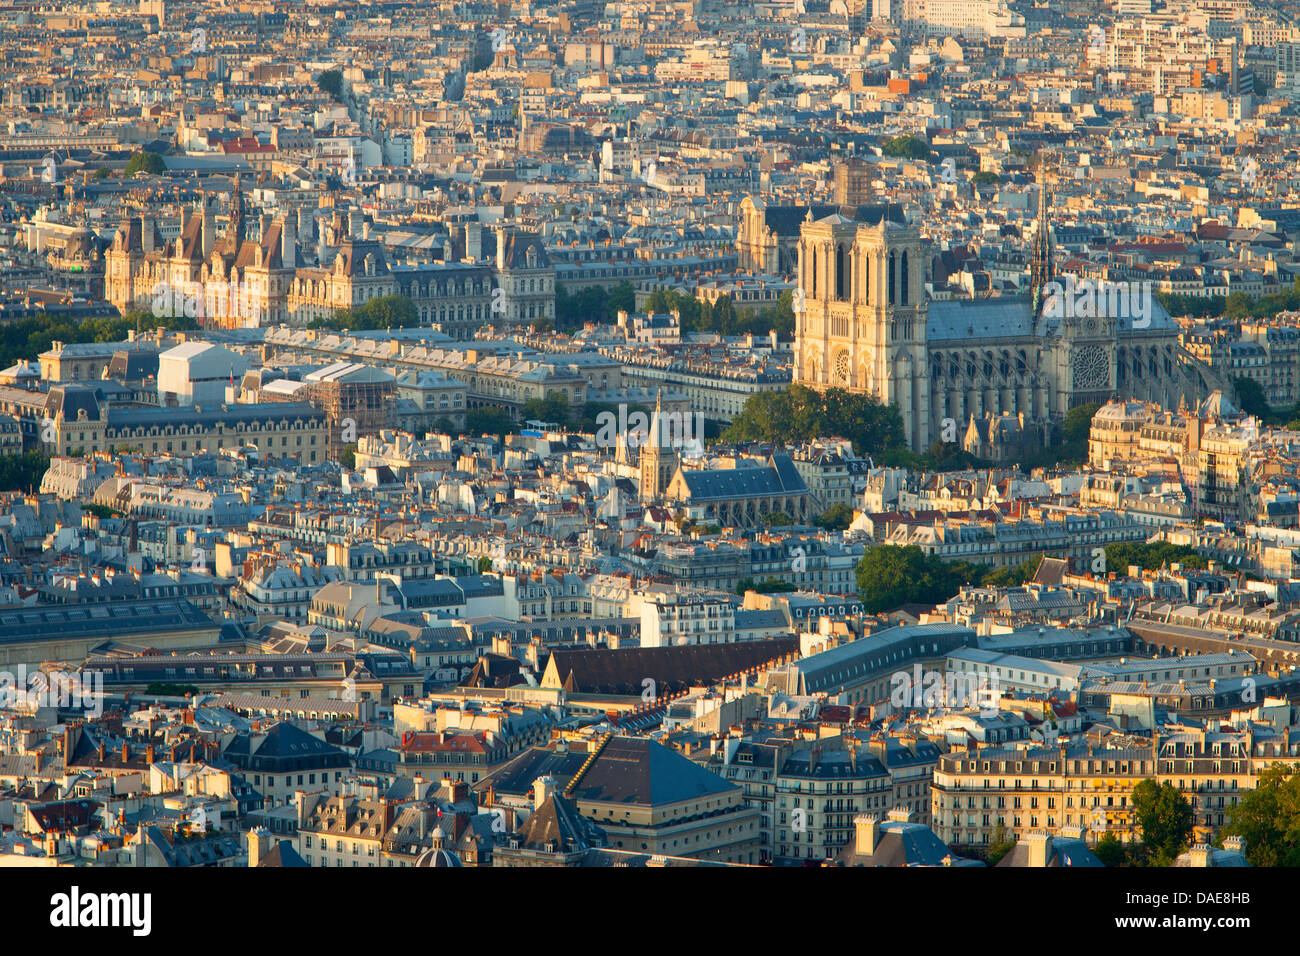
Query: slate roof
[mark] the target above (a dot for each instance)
(117, 619)
(673, 669)
(641, 772)
(285, 747)
(787, 220)
(516, 776)
(1062, 852)
(283, 854)
(903, 844)
(778, 478)
(558, 821)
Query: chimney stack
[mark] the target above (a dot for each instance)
(867, 835)
(289, 241)
(209, 228)
(1039, 844)
(259, 845)
(543, 789)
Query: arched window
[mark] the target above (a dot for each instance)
(905, 279)
(814, 272)
(841, 272)
(890, 289)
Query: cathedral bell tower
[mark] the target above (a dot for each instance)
(657, 464)
(861, 312)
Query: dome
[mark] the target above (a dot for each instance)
(437, 857)
(1115, 411)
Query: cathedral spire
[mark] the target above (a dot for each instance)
(235, 234)
(1041, 266)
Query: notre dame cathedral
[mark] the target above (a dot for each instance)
(866, 322)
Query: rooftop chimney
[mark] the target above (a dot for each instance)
(543, 789)
(259, 845)
(1040, 848)
(867, 827)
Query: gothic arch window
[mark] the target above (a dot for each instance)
(841, 272)
(905, 279)
(890, 277)
(866, 278)
(814, 272)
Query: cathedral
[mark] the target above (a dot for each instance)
(865, 322)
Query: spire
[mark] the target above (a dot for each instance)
(235, 235)
(1041, 267)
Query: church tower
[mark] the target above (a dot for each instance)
(1041, 264)
(657, 464)
(862, 325)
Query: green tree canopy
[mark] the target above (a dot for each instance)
(1268, 817)
(553, 408)
(906, 147)
(489, 421)
(331, 82)
(835, 518)
(799, 414)
(890, 575)
(385, 312)
(1165, 818)
(1150, 557)
(145, 162)
(23, 472)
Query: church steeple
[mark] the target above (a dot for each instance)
(1041, 266)
(235, 234)
(657, 464)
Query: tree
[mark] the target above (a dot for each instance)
(1252, 397)
(553, 408)
(23, 472)
(489, 421)
(984, 178)
(799, 413)
(145, 162)
(1078, 422)
(1165, 818)
(766, 586)
(1110, 851)
(1121, 555)
(777, 519)
(906, 147)
(348, 457)
(835, 518)
(385, 312)
(484, 564)
(1003, 842)
(1268, 817)
(331, 82)
(889, 576)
